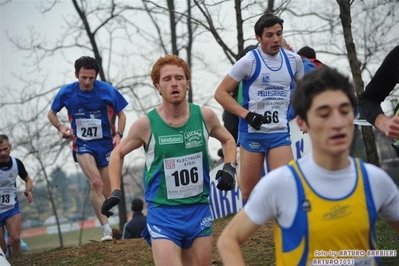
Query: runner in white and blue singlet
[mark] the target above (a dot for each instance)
(10, 214)
(267, 74)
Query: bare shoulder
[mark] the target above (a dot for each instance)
(142, 122)
(141, 128)
(208, 113)
(212, 121)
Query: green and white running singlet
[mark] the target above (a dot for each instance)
(177, 162)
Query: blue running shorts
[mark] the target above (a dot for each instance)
(100, 149)
(8, 214)
(180, 224)
(261, 142)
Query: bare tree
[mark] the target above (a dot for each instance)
(43, 149)
(368, 136)
(94, 21)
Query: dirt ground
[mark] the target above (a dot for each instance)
(259, 250)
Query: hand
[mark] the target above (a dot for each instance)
(227, 180)
(392, 127)
(28, 195)
(112, 201)
(255, 120)
(66, 132)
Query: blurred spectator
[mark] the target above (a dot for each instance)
(137, 224)
(309, 53)
(285, 45)
(381, 85)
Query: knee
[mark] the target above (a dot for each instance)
(97, 185)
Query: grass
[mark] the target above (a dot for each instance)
(258, 250)
(387, 239)
(70, 239)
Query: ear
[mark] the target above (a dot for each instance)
(302, 124)
(188, 84)
(76, 75)
(158, 88)
(259, 39)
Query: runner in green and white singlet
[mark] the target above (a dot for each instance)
(176, 177)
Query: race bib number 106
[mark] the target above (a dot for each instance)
(184, 176)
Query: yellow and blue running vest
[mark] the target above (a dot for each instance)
(327, 224)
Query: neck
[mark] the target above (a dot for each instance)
(331, 162)
(5, 160)
(174, 114)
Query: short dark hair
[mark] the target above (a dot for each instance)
(137, 205)
(86, 62)
(317, 81)
(267, 20)
(4, 138)
(307, 51)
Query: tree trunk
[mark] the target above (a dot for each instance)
(367, 131)
(92, 39)
(171, 8)
(189, 46)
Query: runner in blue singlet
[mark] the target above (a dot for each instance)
(92, 106)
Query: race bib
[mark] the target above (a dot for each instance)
(184, 176)
(7, 197)
(274, 112)
(89, 129)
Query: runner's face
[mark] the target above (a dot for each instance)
(173, 85)
(5, 150)
(271, 39)
(86, 78)
(330, 123)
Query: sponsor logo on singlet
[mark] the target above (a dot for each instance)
(265, 78)
(336, 212)
(170, 139)
(193, 139)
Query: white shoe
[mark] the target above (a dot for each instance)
(107, 236)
